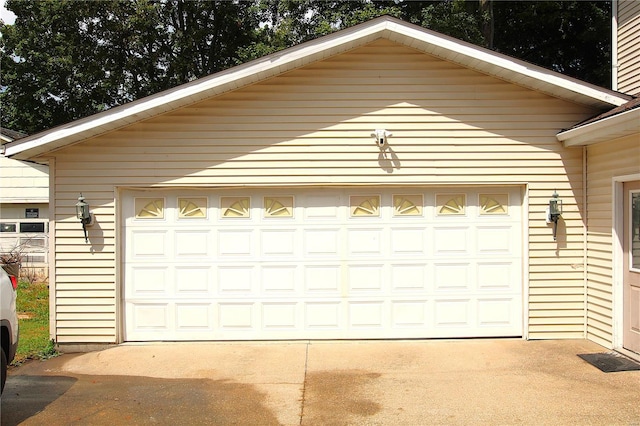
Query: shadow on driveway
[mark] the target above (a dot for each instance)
(109, 400)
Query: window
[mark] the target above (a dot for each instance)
(450, 204)
(192, 208)
(7, 227)
(235, 207)
(407, 205)
(32, 242)
(149, 208)
(491, 204)
(363, 206)
(635, 230)
(278, 206)
(32, 227)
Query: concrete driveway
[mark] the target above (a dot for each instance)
(323, 383)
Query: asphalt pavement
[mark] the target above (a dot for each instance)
(417, 382)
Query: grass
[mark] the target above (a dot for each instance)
(33, 313)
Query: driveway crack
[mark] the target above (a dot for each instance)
(304, 382)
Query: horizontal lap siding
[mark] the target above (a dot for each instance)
(629, 46)
(604, 161)
(312, 126)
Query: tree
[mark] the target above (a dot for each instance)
(66, 59)
(571, 37)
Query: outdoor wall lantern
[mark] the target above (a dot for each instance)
(554, 211)
(84, 215)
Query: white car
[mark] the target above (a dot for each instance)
(8, 320)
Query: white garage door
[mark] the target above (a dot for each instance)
(314, 264)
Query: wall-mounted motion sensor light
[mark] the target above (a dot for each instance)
(381, 136)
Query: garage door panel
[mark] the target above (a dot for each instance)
(281, 279)
(367, 278)
(453, 313)
(495, 312)
(323, 315)
(193, 279)
(367, 314)
(278, 242)
(450, 241)
(409, 314)
(495, 240)
(280, 316)
(150, 316)
(325, 207)
(235, 242)
(237, 280)
(147, 243)
(192, 243)
(148, 281)
(192, 317)
(234, 316)
(322, 242)
(341, 263)
(408, 241)
(453, 277)
(409, 277)
(365, 242)
(493, 276)
(322, 279)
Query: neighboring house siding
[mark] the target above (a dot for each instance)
(24, 214)
(450, 125)
(604, 161)
(22, 182)
(629, 46)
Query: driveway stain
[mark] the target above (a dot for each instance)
(339, 397)
(109, 400)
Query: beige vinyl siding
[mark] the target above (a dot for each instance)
(629, 46)
(604, 161)
(312, 126)
(22, 182)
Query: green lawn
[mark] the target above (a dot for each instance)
(33, 313)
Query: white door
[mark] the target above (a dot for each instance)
(322, 263)
(631, 267)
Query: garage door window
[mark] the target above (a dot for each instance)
(149, 208)
(192, 208)
(491, 204)
(235, 207)
(278, 207)
(451, 204)
(407, 205)
(365, 206)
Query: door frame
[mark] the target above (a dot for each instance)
(617, 212)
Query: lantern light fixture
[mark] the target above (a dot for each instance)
(554, 212)
(84, 215)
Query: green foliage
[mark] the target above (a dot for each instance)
(33, 312)
(571, 37)
(67, 59)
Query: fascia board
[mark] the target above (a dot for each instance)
(620, 125)
(509, 68)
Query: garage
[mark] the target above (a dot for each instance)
(331, 263)
(384, 181)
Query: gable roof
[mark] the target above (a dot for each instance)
(447, 48)
(8, 135)
(616, 123)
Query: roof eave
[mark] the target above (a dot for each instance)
(614, 127)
